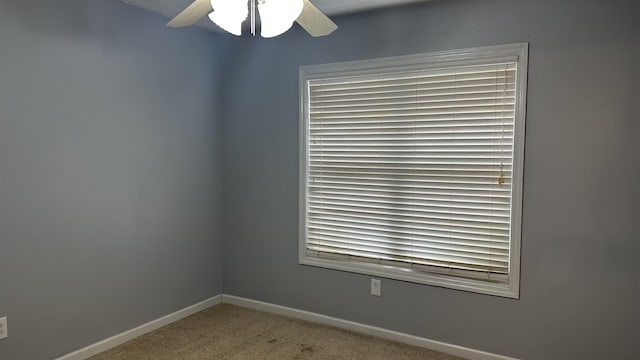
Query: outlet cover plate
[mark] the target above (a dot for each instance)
(375, 287)
(4, 333)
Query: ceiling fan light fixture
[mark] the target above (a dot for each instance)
(277, 16)
(229, 15)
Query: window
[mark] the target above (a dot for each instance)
(411, 167)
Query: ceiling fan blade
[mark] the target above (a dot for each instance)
(191, 14)
(314, 21)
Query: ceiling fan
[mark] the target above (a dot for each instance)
(276, 16)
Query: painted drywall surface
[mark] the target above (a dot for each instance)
(109, 172)
(579, 283)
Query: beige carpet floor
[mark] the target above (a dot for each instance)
(233, 333)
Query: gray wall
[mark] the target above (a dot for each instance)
(580, 290)
(112, 149)
(110, 172)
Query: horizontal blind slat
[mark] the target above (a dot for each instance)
(443, 239)
(410, 256)
(495, 69)
(418, 222)
(488, 221)
(366, 239)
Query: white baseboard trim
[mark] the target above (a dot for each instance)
(128, 335)
(123, 337)
(456, 350)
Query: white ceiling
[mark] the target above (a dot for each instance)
(170, 8)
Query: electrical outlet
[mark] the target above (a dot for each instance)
(375, 287)
(3, 328)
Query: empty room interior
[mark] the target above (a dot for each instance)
(458, 177)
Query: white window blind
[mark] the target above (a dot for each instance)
(413, 169)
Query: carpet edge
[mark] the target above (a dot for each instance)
(451, 349)
(121, 338)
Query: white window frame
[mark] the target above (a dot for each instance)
(512, 53)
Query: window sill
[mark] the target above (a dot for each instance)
(508, 290)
